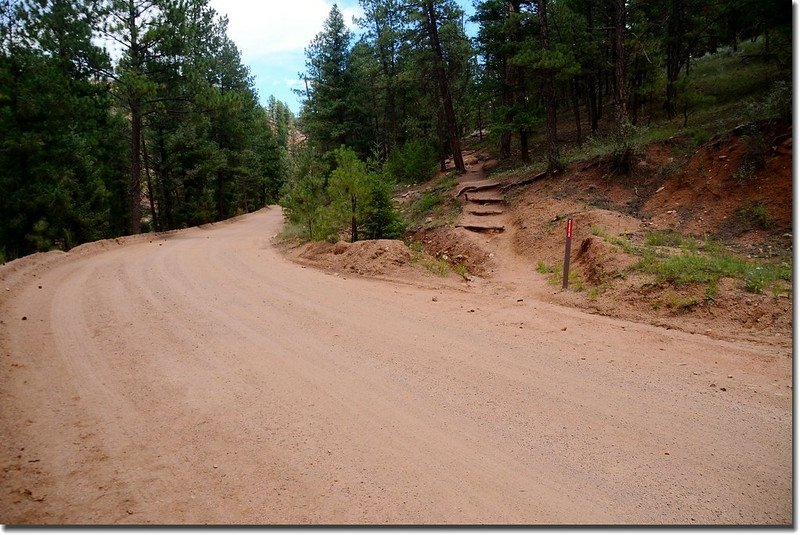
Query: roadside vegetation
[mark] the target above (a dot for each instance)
(682, 260)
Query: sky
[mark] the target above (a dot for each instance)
(272, 36)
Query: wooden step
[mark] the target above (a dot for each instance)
(482, 227)
(484, 197)
(483, 211)
(476, 186)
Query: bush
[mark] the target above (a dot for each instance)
(412, 163)
(621, 146)
(351, 197)
(755, 280)
(757, 215)
(776, 104)
(382, 220)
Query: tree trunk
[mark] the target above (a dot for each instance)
(505, 145)
(591, 103)
(444, 87)
(621, 94)
(135, 106)
(674, 35)
(353, 225)
(245, 208)
(220, 196)
(136, 172)
(577, 110)
(549, 94)
(166, 213)
(510, 86)
(523, 145)
(150, 190)
(599, 96)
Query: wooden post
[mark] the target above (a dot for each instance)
(567, 248)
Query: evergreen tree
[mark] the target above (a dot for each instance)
(327, 117)
(60, 151)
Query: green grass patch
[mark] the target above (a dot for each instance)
(689, 268)
(699, 262)
(623, 243)
(556, 275)
(427, 202)
(545, 268)
(711, 293)
(449, 181)
(681, 303)
(461, 269)
(437, 266)
(292, 232)
(756, 215)
(670, 239)
(437, 203)
(593, 293)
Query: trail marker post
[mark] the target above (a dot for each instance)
(567, 249)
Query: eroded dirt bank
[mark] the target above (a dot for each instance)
(203, 378)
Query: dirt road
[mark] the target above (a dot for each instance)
(204, 378)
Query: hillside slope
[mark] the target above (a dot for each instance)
(699, 242)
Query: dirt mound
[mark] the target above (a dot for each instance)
(368, 257)
(540, 223)
(456, 246)
(31, 265)
(737, 187)
(599, 262)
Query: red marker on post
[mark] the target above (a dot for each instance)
(567, 248)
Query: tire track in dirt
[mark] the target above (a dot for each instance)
(217, 382)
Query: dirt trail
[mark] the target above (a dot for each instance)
(483, 209)
(484, 214)
(204, 378)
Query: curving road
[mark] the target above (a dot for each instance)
(204, 378)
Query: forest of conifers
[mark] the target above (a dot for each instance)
(119, 116)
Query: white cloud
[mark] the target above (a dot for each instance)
(265, 28)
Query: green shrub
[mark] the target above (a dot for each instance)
(700, 138)
(670, 239)
(622, 145)
(412, 163)
(757, 215)
(663, 239)
(426, 202)
(776, 104)
(711, 292)
(681, 303)
(755, 280)
(543, 267)
(381, 219)
(438, 266)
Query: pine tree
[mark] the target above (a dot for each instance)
(326, 114)
(60, 151)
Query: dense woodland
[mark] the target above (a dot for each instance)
(126, 115)
(406, 89)
(119, 116)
